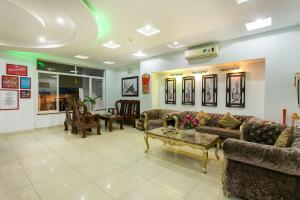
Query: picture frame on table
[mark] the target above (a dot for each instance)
(10, 82)
(130, 86)
(25, 83)
(170, 91)
(235, 89)
(210, 90)
(188, 90)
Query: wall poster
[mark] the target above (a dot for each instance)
(9, 99)
(235, 90)
(11, 82)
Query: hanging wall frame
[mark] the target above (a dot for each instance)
(188, 90)
(235, 90)
(209, 90)
(170, 91)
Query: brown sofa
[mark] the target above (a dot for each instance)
(154, 118)
(212, 125)
(261, 171)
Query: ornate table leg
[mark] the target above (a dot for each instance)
(147, 143)
(217, 149)
(205, 154)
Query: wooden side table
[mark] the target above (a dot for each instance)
(110, 118)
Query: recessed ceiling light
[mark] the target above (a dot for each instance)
(139, 54)
(109, 62)
(42, 39)
(111, 45)
(241, 1)
(148, 30)
(175, 45)
(81, 57)
(260, 23)
(60, 20)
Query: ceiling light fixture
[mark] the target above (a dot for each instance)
(200, 72)
(139, 54)
(111, 45)
(81, 57)
(229, 69)
(60, 20)
(109, 62)
(241, 1)
(148, 30)
(260, 23)
(42, 39)
(176, 74)
(175, 45)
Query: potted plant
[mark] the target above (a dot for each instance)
(91, 100)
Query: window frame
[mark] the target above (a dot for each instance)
(76, 75)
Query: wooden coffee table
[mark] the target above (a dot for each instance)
(110, 118)
(179, 137)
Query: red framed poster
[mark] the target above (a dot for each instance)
(25, 94)
(18, 70)
(11, 82)
(9, 99)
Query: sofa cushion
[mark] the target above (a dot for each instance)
(223, 133)
(285, 138)
(203, 117)
(229, 121)
(155, 123)
(296, 139)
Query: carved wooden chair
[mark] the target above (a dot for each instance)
(69, 105)
(84, 120)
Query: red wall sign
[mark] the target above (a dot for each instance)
(18, 70)
(146, 83)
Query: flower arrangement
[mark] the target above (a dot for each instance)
(190, 122)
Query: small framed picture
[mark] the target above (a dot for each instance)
(17, 70)
(188, 90)
(235, 90)
(11, 82)
(130, 86)
(25, 94)
(25, 83)
(170, 93)
(209, 90)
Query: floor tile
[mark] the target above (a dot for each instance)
(82, 159)
(59, 185)
(125, 157)
(25, 193)
(31, 161)
(13, 181)
(119, 183)
(9, 167)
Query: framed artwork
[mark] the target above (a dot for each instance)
(17, 70)
(188, 90)
(170, 91)
(11, 82)
(146, 83)
(9, 99)
(235, 90)
(25, 83)
(25, 94)
(209, 90)
(130, 86)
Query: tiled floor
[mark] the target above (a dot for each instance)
(50, 164)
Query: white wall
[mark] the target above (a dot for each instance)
(280, 50)
(255, 91)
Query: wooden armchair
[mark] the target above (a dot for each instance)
(69, 116)
(84, 121)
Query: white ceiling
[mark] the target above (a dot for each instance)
(191, 22)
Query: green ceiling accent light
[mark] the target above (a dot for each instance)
(24, 55)
(41, 64)
(103, 24)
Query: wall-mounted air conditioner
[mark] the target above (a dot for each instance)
(205, 51)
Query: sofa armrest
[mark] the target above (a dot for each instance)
(285, 160)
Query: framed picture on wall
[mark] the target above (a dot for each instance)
(25, 83)
(18, 70)
(10, 82)
(130, 86)
(209, 90)
(235, 90)
(9, 99)
(25, 94)
(188, 90)
(170, 91)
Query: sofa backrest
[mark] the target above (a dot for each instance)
(296, 139)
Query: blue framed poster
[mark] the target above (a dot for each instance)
(25, 83)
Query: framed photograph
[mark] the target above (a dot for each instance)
(170, 91)
(188, 90)
(25, 94)
(11, 82)
(9, 99)
(209, 90)
(25, 83)
(17, 70)
(235, 90)
(130, 86)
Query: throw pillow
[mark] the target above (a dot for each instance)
(203, 118)
(229, 121)
(255, 120)
(285, 138)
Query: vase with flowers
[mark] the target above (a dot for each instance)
(190, 122)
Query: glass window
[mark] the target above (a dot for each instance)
(90, 72)
(47, 92)
(72, 87)
(97, 92)
(55, 67)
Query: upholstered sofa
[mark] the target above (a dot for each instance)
(154, 118)
(212, 125)
(261, 171)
